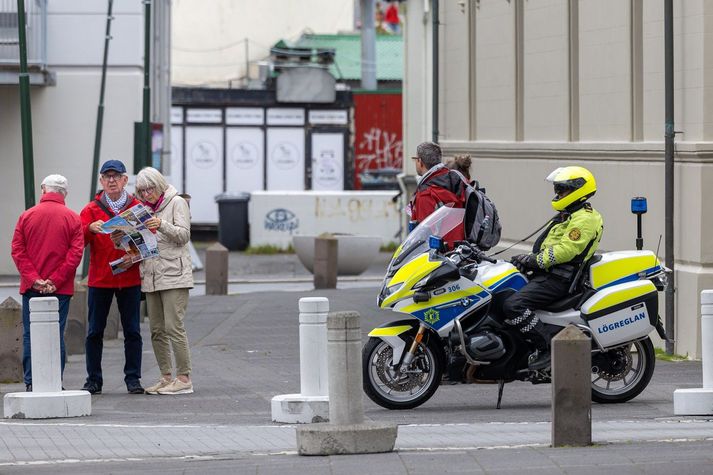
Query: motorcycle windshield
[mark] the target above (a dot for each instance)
(439, 223)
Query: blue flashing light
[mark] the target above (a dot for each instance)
(435, 242)
(638, 205)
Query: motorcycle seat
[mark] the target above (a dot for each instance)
(567, 303)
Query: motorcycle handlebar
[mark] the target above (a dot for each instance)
(468, 250)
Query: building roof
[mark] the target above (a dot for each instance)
(347, 66)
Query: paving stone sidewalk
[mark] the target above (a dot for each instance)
(245, 351)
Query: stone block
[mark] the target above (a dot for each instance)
(329, 439)
(571, 388)
(11, 341)
(75, 331)
(325, 263)
(47, 405)
(299, 409)
(216, 270)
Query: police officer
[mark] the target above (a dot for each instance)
(568, 242)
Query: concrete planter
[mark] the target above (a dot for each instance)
(354, 252)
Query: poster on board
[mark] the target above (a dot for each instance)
(245, 159)
(285, 158)
(327, 161)
(204, 171)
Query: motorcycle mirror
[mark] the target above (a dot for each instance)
(435, 242)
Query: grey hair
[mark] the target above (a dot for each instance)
(429, 153)
(55, 189)
(149, 177)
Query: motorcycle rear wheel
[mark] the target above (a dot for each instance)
(620, 374)
(394, 390)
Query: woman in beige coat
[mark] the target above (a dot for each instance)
(166, 280)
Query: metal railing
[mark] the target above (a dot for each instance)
(36, 17)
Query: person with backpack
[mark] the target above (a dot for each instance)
(567, 243)
(438, 186)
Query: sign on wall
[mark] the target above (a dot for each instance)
(327, 161)
(244, 116)
(285, 116)
(245, 159)
(204, 171)
(285, 158)
(204, 116)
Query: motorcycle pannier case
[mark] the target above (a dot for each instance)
(622, 266)
(622, 312)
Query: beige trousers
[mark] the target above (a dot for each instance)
(167, 309)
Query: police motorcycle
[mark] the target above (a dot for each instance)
(454, 331)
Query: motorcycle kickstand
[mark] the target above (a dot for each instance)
(501, 386)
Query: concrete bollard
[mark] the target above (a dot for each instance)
(216, 270)
(571, 388)
(75, 332)
(10, 341)
(325, 262)
(47, 399)
(312, 404)
(346, 433)
(699, 401)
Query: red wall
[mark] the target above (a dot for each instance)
(377, 133)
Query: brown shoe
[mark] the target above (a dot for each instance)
(177, 387)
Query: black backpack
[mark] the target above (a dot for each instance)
(482, 224)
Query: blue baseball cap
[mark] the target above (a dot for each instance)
(115, 165)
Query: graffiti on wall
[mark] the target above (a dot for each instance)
(379, 149)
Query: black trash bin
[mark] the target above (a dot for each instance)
(233, 227)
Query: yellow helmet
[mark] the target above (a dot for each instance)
(578, 181)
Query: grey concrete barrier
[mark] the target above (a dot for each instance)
(75, 332)
(346, 432)
(325, 262)
(216, 270)
(10, 341)
(571, 388)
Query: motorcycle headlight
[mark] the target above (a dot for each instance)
(421, 282)
(391, 289)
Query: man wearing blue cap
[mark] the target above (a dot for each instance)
(104, 285)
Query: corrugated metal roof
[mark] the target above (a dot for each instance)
(389, 54)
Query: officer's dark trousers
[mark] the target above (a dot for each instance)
(540, 291)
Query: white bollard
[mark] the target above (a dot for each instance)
(699, 401)
(312, 404)
(44, 342)
(47, 400)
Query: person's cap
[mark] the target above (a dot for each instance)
(56, 181)
(115, 165)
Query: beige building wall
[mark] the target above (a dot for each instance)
(554, 83)
(209, 36)
(64, 114)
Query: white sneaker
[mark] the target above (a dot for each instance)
(162, 383)
(177, 387)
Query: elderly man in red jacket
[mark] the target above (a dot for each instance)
(104, 285)
(47, 247)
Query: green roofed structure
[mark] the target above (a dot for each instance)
(347, 56)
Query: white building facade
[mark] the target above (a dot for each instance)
(64, 104)
(527, 86)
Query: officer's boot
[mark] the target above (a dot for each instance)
(540, 358)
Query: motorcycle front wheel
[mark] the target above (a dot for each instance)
(620, 374)
(388, 386)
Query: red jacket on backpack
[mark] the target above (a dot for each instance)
(440, 186)
(102, 250)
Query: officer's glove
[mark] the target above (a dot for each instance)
(525, 262)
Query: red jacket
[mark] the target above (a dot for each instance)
(440, 186)
(48, 244)
(102, 250)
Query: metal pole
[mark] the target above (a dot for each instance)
(25, 111)
(99, 126)
(436, 61)
(146, 122)
(100, 108)
(669, 172)
(368, 46)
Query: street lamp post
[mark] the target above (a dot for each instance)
(25, 111)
